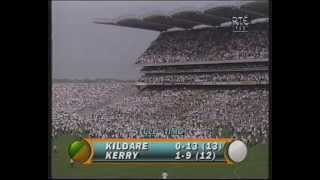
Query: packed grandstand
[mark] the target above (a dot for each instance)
(210, 82)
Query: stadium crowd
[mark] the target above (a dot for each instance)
(203, 113)
(117, 110)
(206, 45)
(205, 77)
(73, 96)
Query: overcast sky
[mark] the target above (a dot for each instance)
(82, 49)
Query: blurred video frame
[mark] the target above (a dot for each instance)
(197, 76)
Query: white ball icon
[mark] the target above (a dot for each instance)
(237, 151)
(164, 175)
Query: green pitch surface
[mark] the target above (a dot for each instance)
(254, 166)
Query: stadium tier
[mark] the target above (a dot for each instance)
(194, 42)
(205, 46)
(206, 57)
(216, 63)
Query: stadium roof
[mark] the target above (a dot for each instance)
(188, 19)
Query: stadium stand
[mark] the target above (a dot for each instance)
(210, 82)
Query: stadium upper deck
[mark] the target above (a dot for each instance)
(204, 50)
(206, 57)
(207, 45)
(210, 17)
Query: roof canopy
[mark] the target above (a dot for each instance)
(193, 18)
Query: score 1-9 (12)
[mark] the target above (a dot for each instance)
(208, 155)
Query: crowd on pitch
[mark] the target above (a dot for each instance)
(239, 112)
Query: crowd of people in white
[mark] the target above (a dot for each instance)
(118, 110)
(72, 97)
(206, 45)
(202, 113)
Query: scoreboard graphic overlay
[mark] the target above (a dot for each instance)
(98, 151)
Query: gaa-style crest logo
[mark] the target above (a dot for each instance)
(240, 24)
